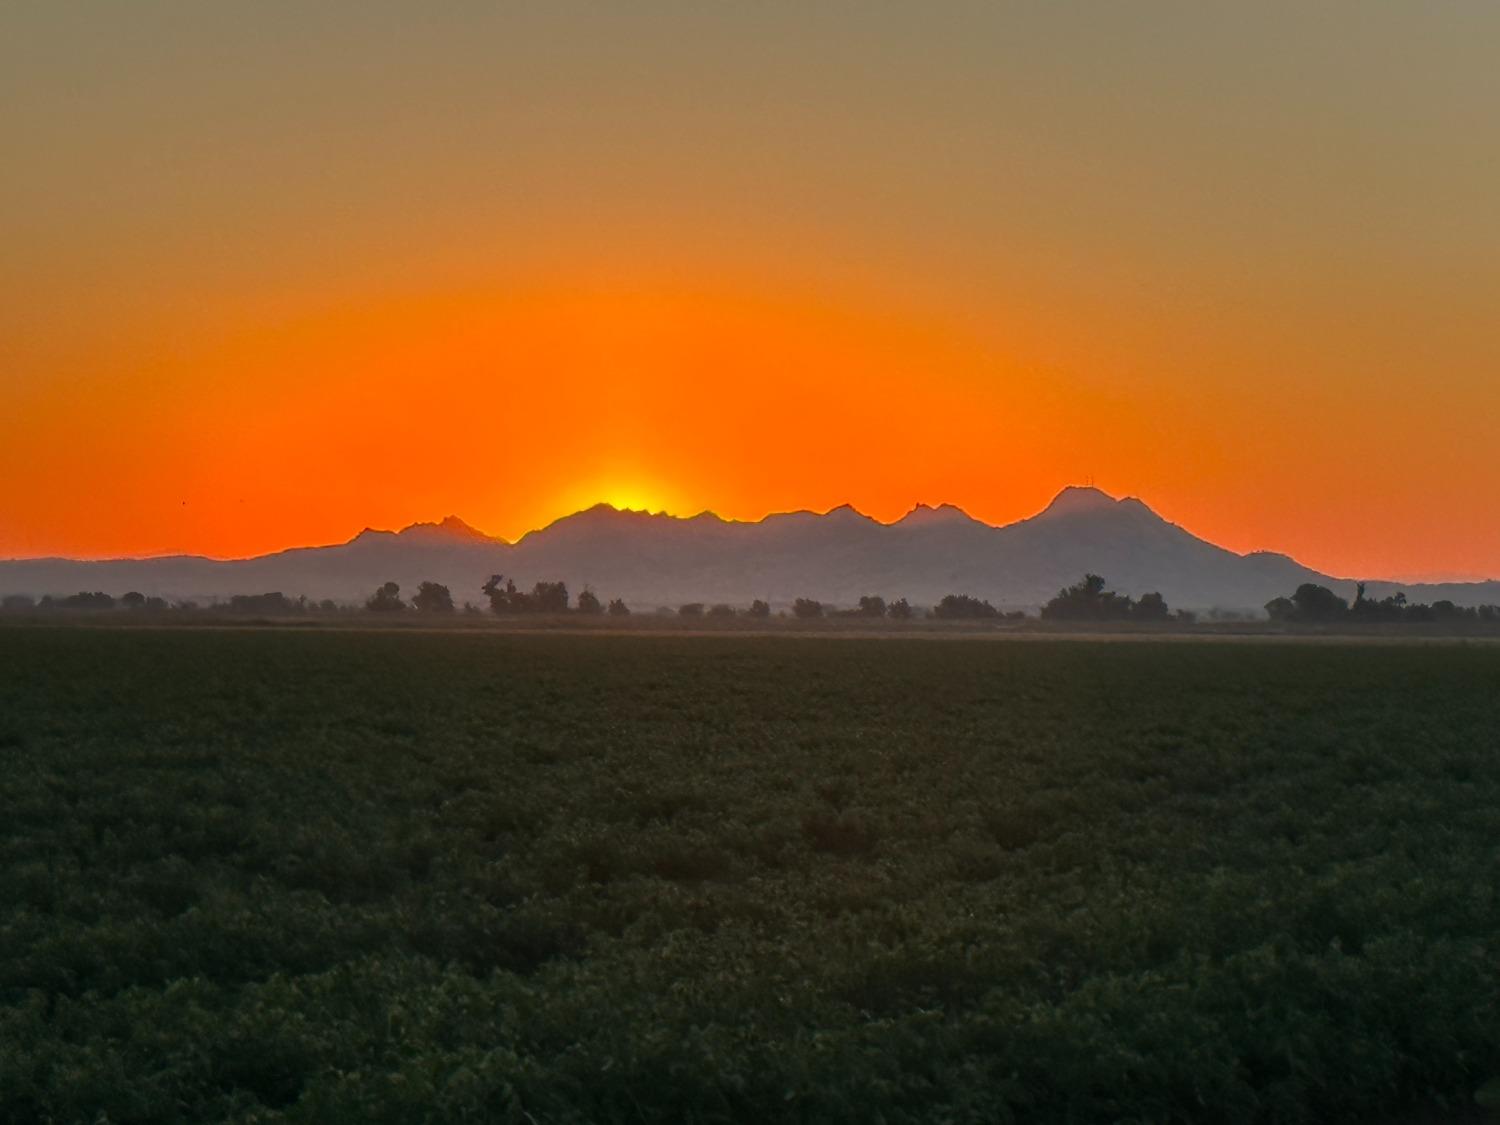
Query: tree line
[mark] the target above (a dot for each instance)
(1314, 604)
(1088, 600)
(274, 603)
(505, 598)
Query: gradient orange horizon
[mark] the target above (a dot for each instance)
(273, 276)
(513, 408)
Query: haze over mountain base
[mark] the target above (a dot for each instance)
(654, 560)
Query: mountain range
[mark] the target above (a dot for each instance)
(661, 560)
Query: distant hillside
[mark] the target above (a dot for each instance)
(652, 560)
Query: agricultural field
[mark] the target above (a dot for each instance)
(275, 875)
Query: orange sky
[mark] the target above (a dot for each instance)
(274, 276)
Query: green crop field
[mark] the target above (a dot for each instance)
(323, 877)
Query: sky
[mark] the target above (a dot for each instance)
(275, 272)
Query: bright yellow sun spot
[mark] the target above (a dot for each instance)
(632, 500)
(627, 495)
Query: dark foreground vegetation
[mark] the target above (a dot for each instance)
(316, 877)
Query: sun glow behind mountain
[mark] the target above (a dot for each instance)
(270, 275)
(624, 493)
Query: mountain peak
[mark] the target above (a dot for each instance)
(1077, 500)
(1085, 501)
(604, 511)
(449, 528)
(845, 511)
(604, 522)
(925, 515)
(600, 515)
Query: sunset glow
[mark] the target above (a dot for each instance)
(671, 561)
(691, 260)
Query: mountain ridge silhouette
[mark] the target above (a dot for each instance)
(653, 559)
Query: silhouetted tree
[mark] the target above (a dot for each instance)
(759, 608)
(328, 605)
(550, 597)
(807, 607)
(721, 609)
(503, 595)
(433, 597)
(1445, 610)
(691, 609)
(1152, 607)
(1367, 610)
(963, 605)
(1088, 601)
(1318, 603)
(545, 597)
(588, 602)
(16, 603)
(133, 599)
(387, 599)
(1281, 609)
(274, 603)
(1314, 603)
(899, 610)
(872, 605)
(618, 608)
(1417, 612)
(86, 600)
